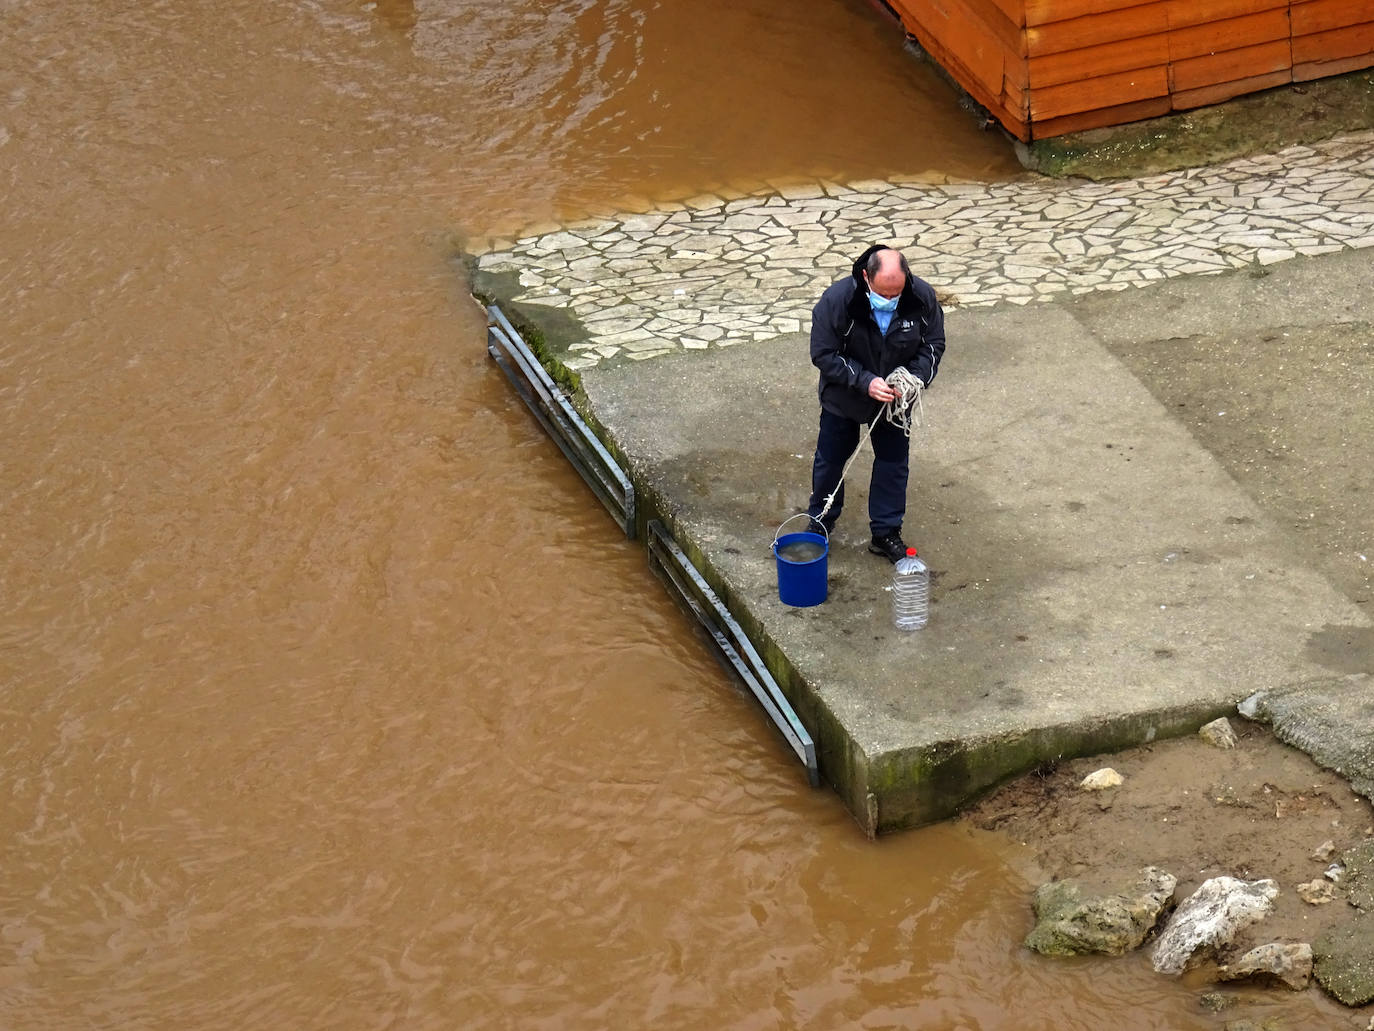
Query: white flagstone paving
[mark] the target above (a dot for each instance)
(717, 272)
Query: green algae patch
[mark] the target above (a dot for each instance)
(550, 356)
(1344, 962)
(917, 786)
(1258, 123)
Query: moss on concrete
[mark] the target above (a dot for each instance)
(534, 337)
(549, 331)
(1259, 123)
(1344, 962)
(921, 786)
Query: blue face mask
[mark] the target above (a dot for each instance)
(881, 303)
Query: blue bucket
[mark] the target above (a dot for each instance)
(801, 584)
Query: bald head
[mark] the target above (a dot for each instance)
(886, 272)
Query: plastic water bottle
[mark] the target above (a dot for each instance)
(910, 592)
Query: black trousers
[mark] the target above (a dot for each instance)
(835, 442)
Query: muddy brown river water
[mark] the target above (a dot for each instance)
(328, 696)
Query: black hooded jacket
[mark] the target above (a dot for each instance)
(850, 350)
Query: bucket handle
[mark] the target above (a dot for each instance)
(778, 533)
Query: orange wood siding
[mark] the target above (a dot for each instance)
(1217, 92)
(1093, 30)
(1335, 44)
(1311, 16)
(983, 48)
(1206, 12)
(1108, 59)
(1099, 117)
(1225, 66)
(1039, 12)
(1086, 94)
(1047, 67)
(1220, 36)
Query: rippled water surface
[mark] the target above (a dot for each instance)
(328, 697)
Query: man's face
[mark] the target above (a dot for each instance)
(889, 280)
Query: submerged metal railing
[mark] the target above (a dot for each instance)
(678, 573)
(613, 488)
(562, 421)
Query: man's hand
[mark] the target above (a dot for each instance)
(880, 391)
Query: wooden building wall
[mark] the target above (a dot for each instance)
(1047, 67)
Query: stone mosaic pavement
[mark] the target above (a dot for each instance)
(718, 271)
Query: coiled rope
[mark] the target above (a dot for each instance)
(904, 411)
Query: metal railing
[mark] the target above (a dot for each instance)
(613, 489)
(678, 573)
(557, 415)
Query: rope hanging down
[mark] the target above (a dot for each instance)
(899, 411)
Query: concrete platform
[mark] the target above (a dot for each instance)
(1102, 578)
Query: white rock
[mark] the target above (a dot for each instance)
(1291, 964)
(1210, 918)
(1218, 733)
(1113, 924)
(1317, 893)
(1101, 780)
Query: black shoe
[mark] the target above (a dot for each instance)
(817, 526)
(889, 546)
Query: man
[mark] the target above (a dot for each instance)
(862, 329)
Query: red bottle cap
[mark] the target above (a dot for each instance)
(910, 552)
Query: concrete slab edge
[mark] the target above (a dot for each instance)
(1323, 718)
(913, 787)
(903, 789)
(900, 789)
